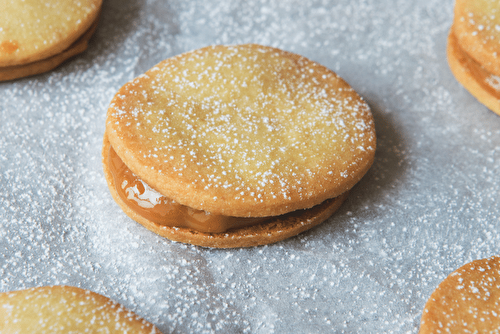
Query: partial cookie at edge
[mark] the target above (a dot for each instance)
(45, 65)
(66, 309)
(476, 25)
(472, 76)
(48, 28)
(467, 300)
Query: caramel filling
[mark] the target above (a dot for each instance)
(159, 209)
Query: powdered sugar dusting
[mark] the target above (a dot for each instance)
(428, 205)
(494, 82)
(484, 18)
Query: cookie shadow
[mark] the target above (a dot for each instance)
(390, 161)
(129, 33)
(143, 34)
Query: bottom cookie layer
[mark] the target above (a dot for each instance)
(483, 85)
(276, 229)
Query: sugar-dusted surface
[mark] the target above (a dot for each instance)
(243, 130)
(427, 206)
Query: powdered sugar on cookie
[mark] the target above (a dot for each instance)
(245, 124)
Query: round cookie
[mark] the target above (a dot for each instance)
(477, 80)
(36, 36)
(242, 131)
(477, 28)
(66, 309)
(467, 301)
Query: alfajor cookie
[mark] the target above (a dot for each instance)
(473, 49)
(235, 146)
(467, 301)
(66, 309)
(37, 36)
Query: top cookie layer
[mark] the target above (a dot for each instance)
(243, 130)
(31, 30)
(477, 28)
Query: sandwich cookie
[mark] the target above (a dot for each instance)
(473, 49)
(235, 146)
(66, 309)
(467, 301)
(37, 36)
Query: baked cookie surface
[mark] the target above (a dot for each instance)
(66, 309)
(467, 301)
(36, 36)
(477, 28)
(245, 131)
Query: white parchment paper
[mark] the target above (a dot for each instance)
(429, 204)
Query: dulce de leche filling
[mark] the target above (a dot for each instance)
(159, 209)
